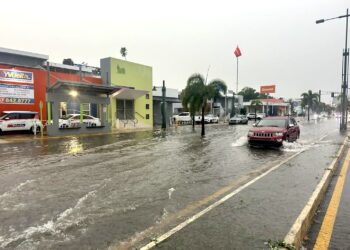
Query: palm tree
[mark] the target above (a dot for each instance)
(197, 93)
(256, 104)
(191, 100)
(310, 99)
(123, 52)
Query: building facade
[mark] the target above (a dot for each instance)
(132, 104)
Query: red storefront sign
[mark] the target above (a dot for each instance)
(268, 89)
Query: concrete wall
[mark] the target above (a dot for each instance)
(105, 65)
(157, 112)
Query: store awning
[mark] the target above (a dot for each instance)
(129, 94)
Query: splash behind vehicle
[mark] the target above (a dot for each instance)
(272, 131)
(20, 121)
(238, 119)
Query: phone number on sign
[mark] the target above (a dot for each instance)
(16, 100)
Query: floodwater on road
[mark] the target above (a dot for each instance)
(101, 191)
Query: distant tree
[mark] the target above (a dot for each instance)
(265, 96)
(248, 94)
(291, 103)
(310, 100)
(255, 104)
(197, 93)
(68, 61)
(123, 52)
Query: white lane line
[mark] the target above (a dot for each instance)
(163, 237)
(214, 205)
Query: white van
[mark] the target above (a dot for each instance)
(19, 121)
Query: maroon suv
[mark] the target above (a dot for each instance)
(272, 131)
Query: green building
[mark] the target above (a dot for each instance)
(132, 105)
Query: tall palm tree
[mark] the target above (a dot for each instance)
(255, 104)
(310, 99)
(197, 93)
(123, 52)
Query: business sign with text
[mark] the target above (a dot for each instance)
(16, 94)
(10, 75)
(268, 89)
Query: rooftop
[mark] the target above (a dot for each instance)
(23, 53)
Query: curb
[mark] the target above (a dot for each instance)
(302, 224)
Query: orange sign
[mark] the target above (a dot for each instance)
(268, 89)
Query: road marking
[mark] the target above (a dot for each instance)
(325, 234)
(214, 205)
(140, 236)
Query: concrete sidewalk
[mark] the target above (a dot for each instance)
(331, 227)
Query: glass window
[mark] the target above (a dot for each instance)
(147, 116)
(125, 109)
(63, 109)
(147, 106)
(147, 96)
(272, 123)
(26, 116)
(86, 108)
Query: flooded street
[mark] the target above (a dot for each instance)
(120, 190)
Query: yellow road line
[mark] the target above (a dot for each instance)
(325, 234)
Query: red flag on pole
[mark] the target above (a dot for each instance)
(238, 52)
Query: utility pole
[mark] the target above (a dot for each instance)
(163, 106)
(345, 65)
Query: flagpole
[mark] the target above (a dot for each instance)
(237, 78)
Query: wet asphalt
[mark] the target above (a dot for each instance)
(122, 190)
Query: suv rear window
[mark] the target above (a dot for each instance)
(26, 116)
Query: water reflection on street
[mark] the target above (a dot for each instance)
(96, 191)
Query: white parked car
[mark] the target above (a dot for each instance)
(73, 120)
(238, 119)
(20, 120)
(210, 118)
(183, 118)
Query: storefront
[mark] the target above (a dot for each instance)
(22, 82)
(271, 107)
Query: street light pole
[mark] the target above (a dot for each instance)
(344, 87)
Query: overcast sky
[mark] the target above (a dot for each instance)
(279, 40)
